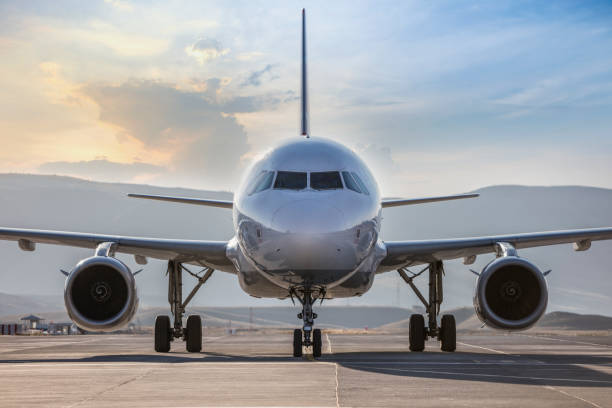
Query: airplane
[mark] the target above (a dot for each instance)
(307, 221)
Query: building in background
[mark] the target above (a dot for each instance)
(33, 322)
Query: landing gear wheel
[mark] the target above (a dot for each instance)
(162, 334)
(448, 333)
(297, 343)
(316, 343)
(417, 332)
(193, 334)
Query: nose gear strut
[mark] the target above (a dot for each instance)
(311, 337)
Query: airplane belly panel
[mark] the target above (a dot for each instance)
(346, 282)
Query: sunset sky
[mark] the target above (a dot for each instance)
(438, 96)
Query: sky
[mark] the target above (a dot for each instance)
(438, 97)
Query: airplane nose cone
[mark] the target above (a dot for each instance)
(308, 216)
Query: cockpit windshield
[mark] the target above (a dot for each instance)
(297, 180)
(291, 180)
(327, 180)
(262, 182)
(362, 186)
(350, 182)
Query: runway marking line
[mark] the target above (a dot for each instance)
(31, 346)
(214, 338)
(565, 340)
(337, 386)
(573, 396)
(203, 362)
(518, 377)
(484, 348)
(111, 388)
(329, 347)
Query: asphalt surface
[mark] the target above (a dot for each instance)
(257, 370)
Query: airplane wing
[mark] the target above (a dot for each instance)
(185, 200)
(412, 201)
(407, 253)
(209, 253)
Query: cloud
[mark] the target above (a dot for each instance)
(103, 169)
(380, 161)
(255, 77)
(120, 5)
(206, 49)
(198, 129)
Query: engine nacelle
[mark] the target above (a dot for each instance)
(100, 294)
(511, 294)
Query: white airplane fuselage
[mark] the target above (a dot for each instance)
(307, 216)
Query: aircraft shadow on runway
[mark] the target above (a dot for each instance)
(537, 369)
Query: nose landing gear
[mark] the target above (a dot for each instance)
(308, 336)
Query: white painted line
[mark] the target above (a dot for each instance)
(203, 364)
(564, 340)
(33, 346)
(466, 363)
(490, 375)
(329, 347)
(208, 365)
(484, 348)
(337, 396)
(573, 396)
(214, 338)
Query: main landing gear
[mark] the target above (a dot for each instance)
(446, 333)
(192, 332)
(308, 336)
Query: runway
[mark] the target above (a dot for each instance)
(255, 369)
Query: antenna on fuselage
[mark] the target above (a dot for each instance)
(304, 97)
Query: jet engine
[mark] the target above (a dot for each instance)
(100, 294)
(511, 294)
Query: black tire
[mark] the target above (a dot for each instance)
(297, 343)
(162, 334)
(448, 333)
(194, 334)
(317, 343)
(417, 332)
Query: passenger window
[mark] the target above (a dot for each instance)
(329, 180)
(262, 182)
(361, 185)
(350, 182)
(291, 180)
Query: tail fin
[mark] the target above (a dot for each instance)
(305, 131)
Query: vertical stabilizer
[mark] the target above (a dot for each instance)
(305, 131)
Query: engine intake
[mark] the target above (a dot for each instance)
(511, 294)
(100, 294)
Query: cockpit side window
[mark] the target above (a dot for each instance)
(361, 185)
(262, 182)
(327, 180)
(350, 182)
(291, 180)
